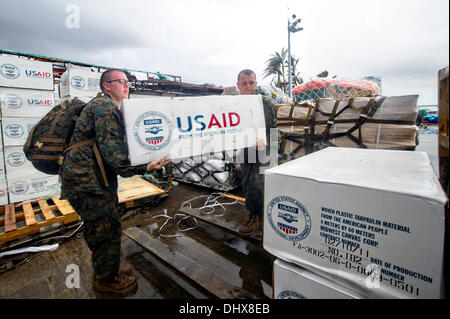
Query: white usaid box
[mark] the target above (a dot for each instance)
(79, 82)
(27, 74)
(294, 282)
(370, 219)
(30, 187)
(26, 103)
(16, 162)
(15, 130)
(3, 192)
(191, 126)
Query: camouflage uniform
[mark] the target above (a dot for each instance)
(252, 181)
(83, 185)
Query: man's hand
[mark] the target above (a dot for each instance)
(261, 144)
(157, 164)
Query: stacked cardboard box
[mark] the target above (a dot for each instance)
(80, 83)
(368, 220)
(26, 95)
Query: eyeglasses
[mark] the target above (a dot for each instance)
(121, 81)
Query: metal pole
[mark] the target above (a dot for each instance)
(289, 58)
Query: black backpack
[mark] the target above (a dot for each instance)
(48, 140)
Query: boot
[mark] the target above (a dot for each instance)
(250, 227)
(121, 284)
(126, 270)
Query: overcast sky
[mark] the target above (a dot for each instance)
(210, 41)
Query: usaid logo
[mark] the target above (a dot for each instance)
(77, 82)
(10, 71)
(13, 101)
(290, 294)
(289, 218)
(38, 74)
(14, 130)
(152, 131)
(19, 188)
(16, 159)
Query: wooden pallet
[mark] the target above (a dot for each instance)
(135, 189)
(27, 218)
(23, 219)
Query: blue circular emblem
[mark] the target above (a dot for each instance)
(13, 101)
(9, 71)
(152, 130)
(289, 218)
(19, 188)
(77, 82)
(290, 294)
(16, 159)
(14, 130)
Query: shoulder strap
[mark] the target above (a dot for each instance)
(96, 152)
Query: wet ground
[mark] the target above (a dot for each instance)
(204, 262)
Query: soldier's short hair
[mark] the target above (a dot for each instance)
(106, 77)
(246, 72)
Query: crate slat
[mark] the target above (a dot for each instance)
(29, 213)
(46, 211)
(10, 218)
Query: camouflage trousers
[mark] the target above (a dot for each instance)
(102, 232)
(252, 182)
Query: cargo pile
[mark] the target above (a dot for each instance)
(337, 89)
(216, 171)
(361, 122)
(27, 93)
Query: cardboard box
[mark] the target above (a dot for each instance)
(294, 282)
(24, 73)
(79, 82)
(25, 103)
(4, 200)
(16, 162)
(369, 219)
(15, 130)
(191, 126)
(30, 187)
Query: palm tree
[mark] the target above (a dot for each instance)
(277, 66)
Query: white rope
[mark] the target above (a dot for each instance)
(211, 202)
(168, 218)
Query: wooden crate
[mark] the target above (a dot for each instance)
(23, 219)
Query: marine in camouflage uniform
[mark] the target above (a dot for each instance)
(252, 178)
(84, 187)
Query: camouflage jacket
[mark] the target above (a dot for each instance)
(100, 119)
